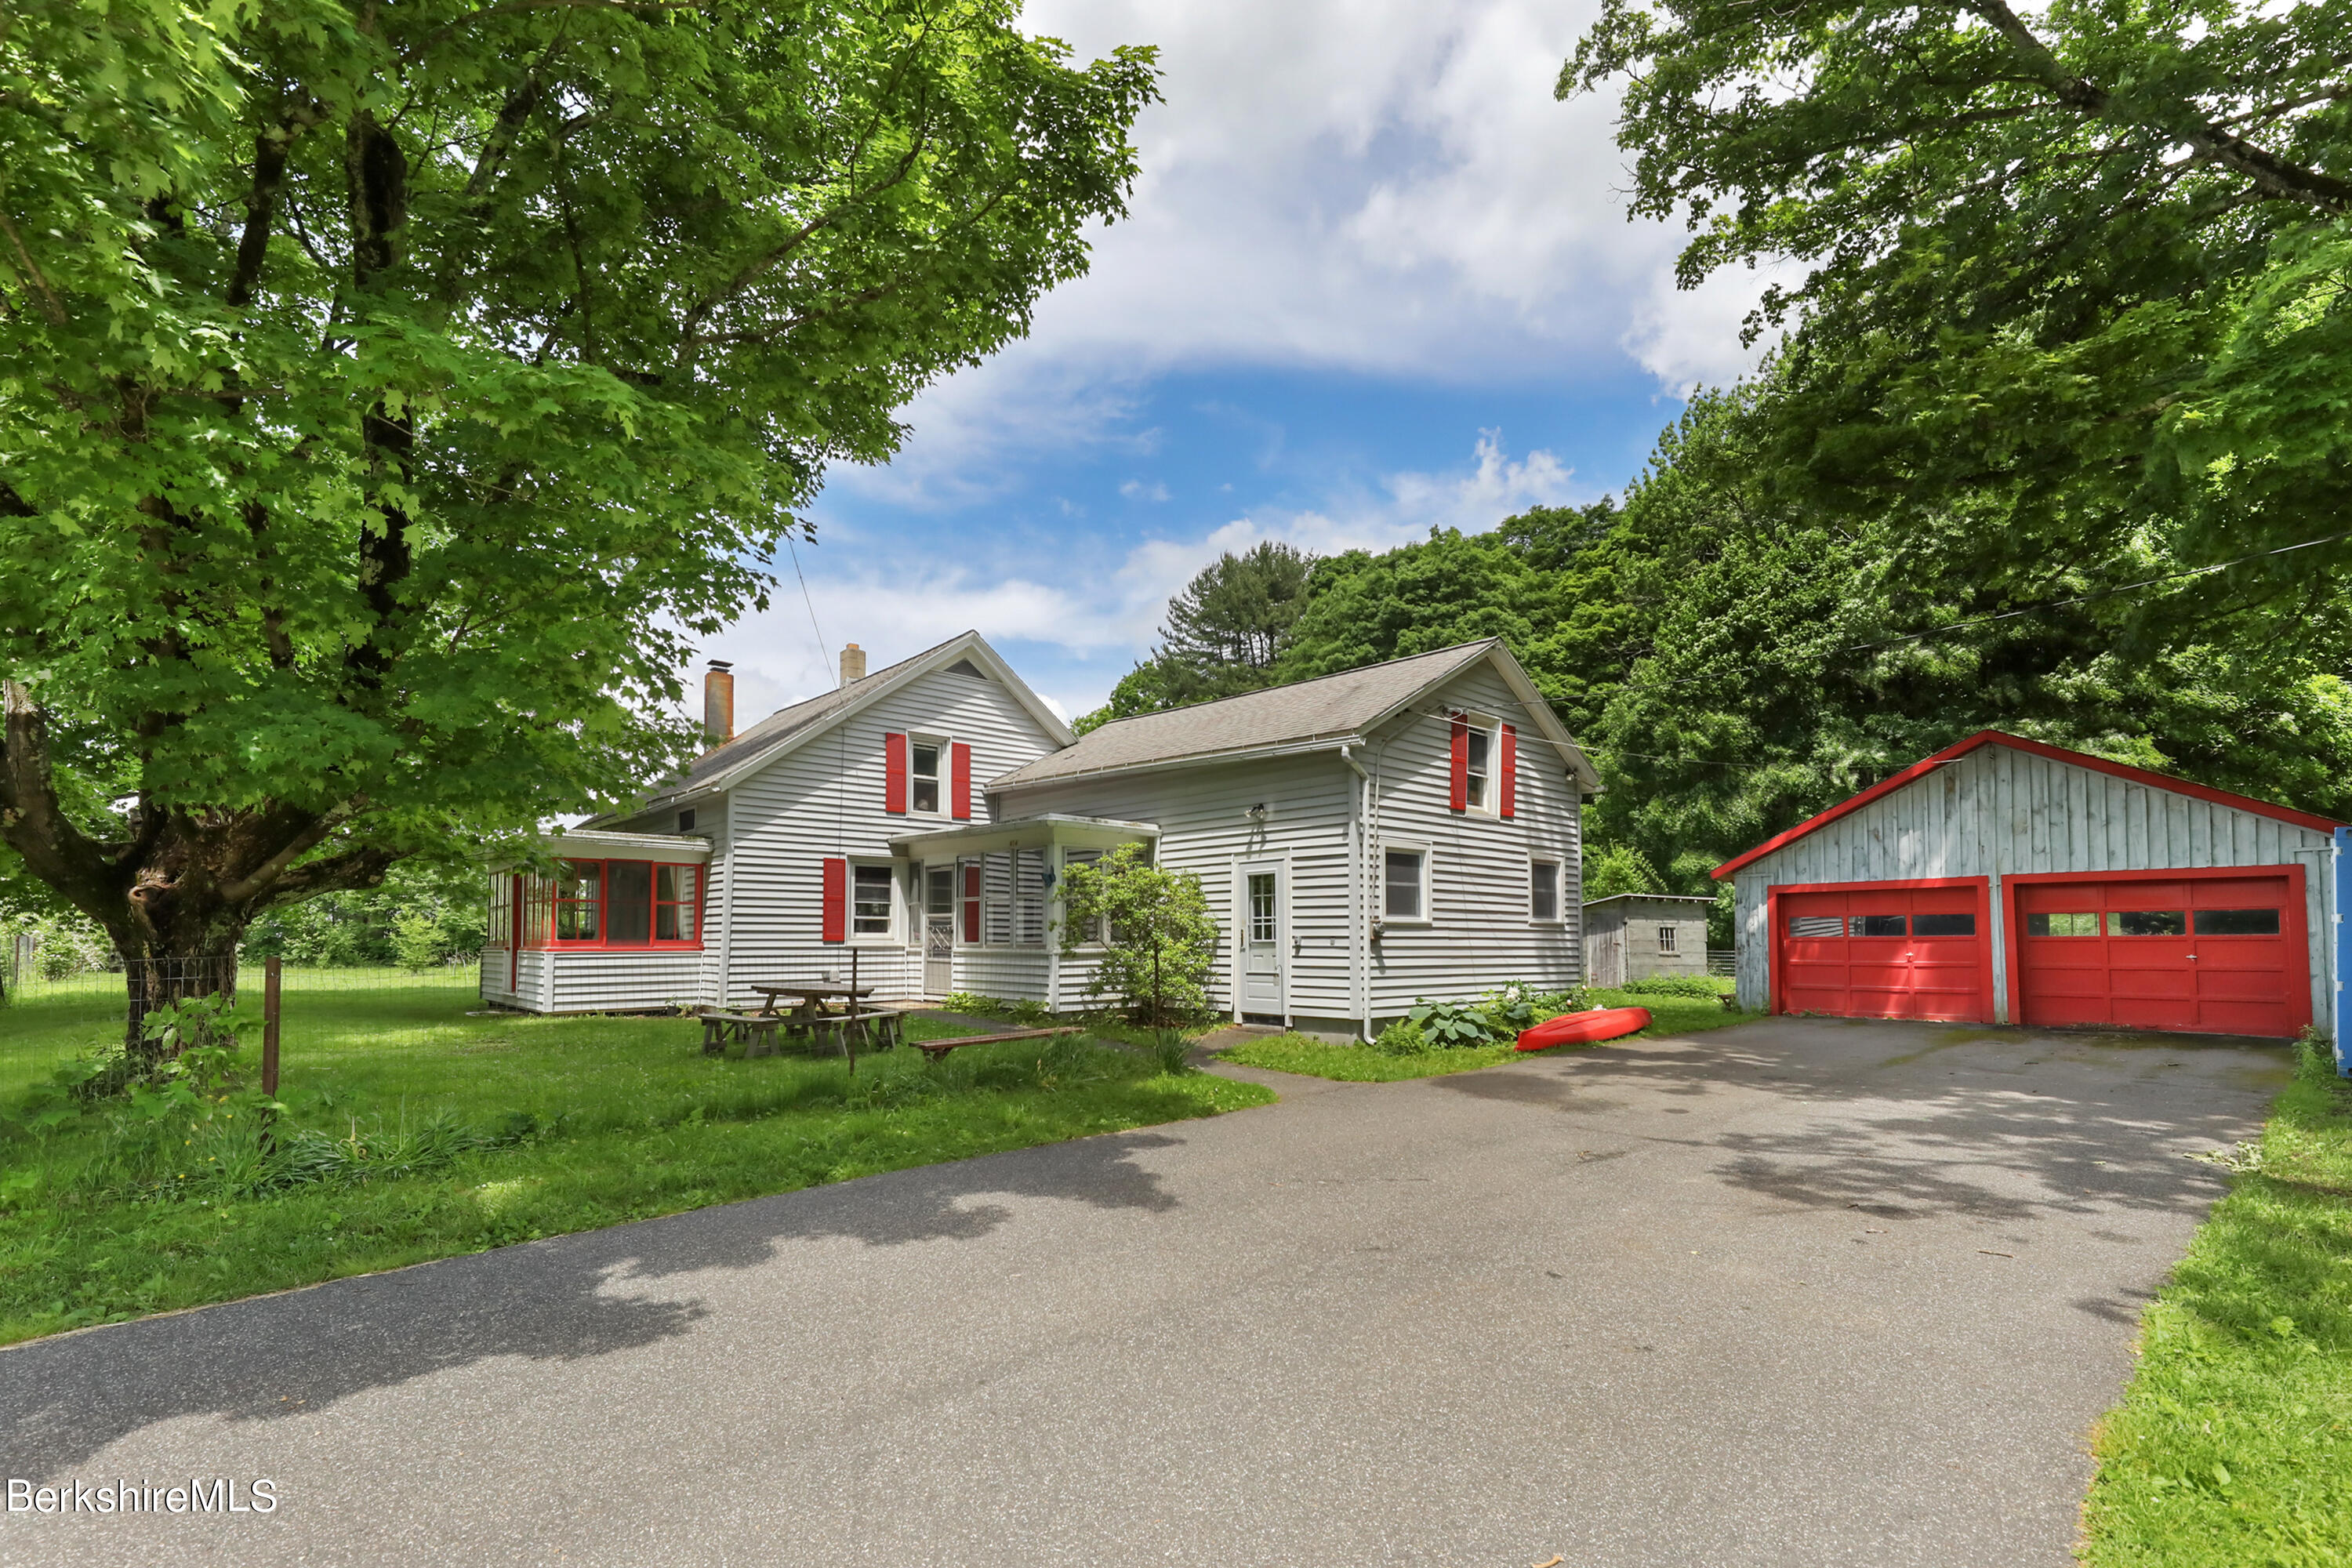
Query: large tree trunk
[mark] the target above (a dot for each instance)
(188, 957)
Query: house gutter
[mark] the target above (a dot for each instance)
(1359, 917)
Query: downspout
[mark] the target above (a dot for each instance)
(1359, 917)
(722, 852)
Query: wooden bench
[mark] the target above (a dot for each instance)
(756, 1030)
(937, 1049)
(879, 1028)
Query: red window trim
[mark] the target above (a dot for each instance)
(974, 889)
(2294, 929)
(1460, 793)
(1775, 946)
(960, 765)
(541, 935)
(833, 915)
(1510, 801)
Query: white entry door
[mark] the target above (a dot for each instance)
(1263, 966)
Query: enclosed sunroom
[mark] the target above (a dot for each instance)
(616, 926)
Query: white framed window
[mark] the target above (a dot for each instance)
(1543, 890)
(926, 772)
(1665, 939)
(1404, 884)
(1482, 792)
(871, 901)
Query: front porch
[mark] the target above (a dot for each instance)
(983, 910)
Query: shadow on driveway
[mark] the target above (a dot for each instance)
(65, 1399)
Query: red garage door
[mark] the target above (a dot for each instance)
(2215, 955)
(1899, 952)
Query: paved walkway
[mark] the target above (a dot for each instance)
(1797, 1292)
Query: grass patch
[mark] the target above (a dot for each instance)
(629, 1120)
(1359, 1064)
(2233, 1443)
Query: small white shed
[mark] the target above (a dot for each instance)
(2006, 881)
(1631, 936)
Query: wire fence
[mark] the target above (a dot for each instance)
(168, 980)
(1722, 963)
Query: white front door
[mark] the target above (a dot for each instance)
(1262, 963)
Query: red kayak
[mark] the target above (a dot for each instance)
(1583, 1028)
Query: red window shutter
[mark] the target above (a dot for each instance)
(962, 782)
(1510, 770)
(894, 773)
(837, 899)
(972, 903)
(1461, 801)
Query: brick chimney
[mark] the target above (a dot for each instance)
(853, 664)
(718, 702)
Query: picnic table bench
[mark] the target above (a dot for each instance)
(937, 1049)
(809, 1019)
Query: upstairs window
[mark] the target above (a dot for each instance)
(1480, 769)
(923, 774)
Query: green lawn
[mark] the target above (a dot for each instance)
(2232, 1448)
(635, 1121)
(1359, 1064)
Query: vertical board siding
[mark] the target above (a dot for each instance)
(1997, 813)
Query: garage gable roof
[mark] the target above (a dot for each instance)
(1983, 738)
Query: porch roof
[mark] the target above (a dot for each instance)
(1025, 832)
(604, 844)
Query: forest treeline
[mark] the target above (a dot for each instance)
(1735, 661)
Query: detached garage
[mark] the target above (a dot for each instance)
(2006, 881)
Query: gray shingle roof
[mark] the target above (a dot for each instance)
(1335, 706)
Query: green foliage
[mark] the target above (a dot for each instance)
(1449, 1025)
(1162, 939)
(1677, 985)
(1402, 1038)
(391, 395)
(412, 1131)
(2073, 317)
(2232, 1445)
(1024, 1011)
(1613, 868)
(1670, 1016)
(1224, 634)
(1171, 1050)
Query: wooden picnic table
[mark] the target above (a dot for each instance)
(812, 998)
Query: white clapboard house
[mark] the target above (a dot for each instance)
(1410, 829)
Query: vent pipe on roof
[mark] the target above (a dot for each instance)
(718, 702)
(853, 664)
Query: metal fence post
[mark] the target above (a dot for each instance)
(269, 986)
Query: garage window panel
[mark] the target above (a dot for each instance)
(2148, 923)
(2063, 923)
(1875, 925)
(2237, 922)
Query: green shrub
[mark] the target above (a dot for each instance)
(1401, 1038)
(1170, 1051)
(1450, 1026)
(1673, 985)
(1026, 1012)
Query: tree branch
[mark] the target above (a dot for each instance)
(49, 300)
(2271, 175)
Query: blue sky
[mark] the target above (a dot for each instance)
(1375, 281)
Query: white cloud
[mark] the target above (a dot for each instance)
(1136, 489)
(1090, 623)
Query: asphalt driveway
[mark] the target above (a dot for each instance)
(1797, 1292)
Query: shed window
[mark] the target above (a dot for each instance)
(923, 774)
(869, 911)
(1543, 890)
(1943, 925)
(1665, 939)
(2148, 923)
(1873, 925)
(1815, 926)
(1406, 880)
(2237, 922)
